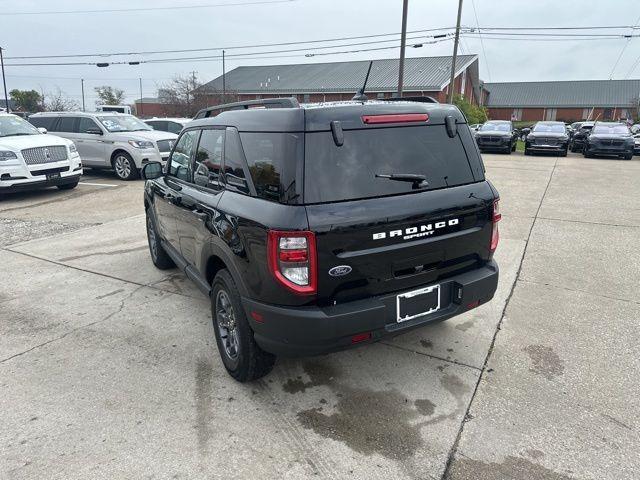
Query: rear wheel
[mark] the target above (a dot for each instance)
(241, 355)
(68, 186)
(628, 156)
(124, 166)
(159, 255)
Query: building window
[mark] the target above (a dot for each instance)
(550, 114)
(586, 113)
(306, 98)
(607, 114)
(516, 115)
(380, 95)
(463, 82)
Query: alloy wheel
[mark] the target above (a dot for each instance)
(227, 327)
(122, 166)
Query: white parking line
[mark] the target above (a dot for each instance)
(98, 184)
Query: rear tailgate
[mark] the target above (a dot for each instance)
(396, 243)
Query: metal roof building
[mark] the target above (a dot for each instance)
(421, 74)
(567, 94)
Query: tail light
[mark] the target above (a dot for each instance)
(293, 260)
(495, 218)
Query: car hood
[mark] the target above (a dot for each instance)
(493, 133)
(149, 135)
(21, 142)
(547, 135)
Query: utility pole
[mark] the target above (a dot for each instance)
(403, 42)
(4, 81)
(140, 79)
(224, 82)
(82, 85)
(455, 56)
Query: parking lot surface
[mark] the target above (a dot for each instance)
(109, 368)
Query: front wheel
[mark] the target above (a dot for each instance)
(628, 156)
(124, 166)
(159, 255)
(241, 355)
(527, 151)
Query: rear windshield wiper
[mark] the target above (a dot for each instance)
(417, 181)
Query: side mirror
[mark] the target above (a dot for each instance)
(94, 131)
(152, 170)
(42, 130)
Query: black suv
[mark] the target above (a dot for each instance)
(547, 137)
(609, 138)
(314, 228)
(497, 135)
(579, 138)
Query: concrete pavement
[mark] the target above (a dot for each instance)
(109, 369)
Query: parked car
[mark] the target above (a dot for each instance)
(316, 228)
(474, 127)
(547, 137)
(635, 128)
(114, 108)
(497, 135)
(609, 138)
(173, 125)
(30, 158)
(109, 140)
(636, 142)
(579, 137)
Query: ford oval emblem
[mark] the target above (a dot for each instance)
(340, 270)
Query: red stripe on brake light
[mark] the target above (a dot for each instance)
(395, 118)
(495, 218)
(285, 261)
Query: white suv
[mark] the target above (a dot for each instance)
(30, 158)
(109, 140)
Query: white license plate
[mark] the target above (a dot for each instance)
(417, 303)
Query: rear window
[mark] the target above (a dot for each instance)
(348, 172)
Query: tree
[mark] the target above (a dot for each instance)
(109, 96)
(474, 113)
(27, 100)
(183, 97)
(59, 102)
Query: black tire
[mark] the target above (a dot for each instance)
(586, 153)
(68, 186)
(509, 150)
(628, 156)
(564, 153)
(124, 166)
(159, 255)
(513, 146)
(242, 357)
(527, 151)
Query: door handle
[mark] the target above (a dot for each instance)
(175, 199)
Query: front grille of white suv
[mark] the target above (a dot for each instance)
(40, 155)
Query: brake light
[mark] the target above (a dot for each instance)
(495, 234)
(293, 260)
(395, 118)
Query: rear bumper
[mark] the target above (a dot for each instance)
(305, 331)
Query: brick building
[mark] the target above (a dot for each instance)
(317, 82)
(566, 101)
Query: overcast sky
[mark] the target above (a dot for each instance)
(294, 21)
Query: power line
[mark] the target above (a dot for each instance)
(484, 52)
(624, 47)
(145, 9)
(233, 47)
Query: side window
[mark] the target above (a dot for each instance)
(44, 122)
(153, 124)
(180, 162)
(206, 171)
(234, 163)
(87, 124)
(173, 127)
(67, 124)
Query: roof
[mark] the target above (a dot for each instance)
(148, 100)
(78, 113)
(566, 94)
(421, 73)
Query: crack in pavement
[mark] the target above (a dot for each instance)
(454, 448)
(436, 357)
(73, 330)
(588, 223)
(113, 252)
(577, 290)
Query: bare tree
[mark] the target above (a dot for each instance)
(59, 102)
(183, 96)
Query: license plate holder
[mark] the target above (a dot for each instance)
(417, 303)
(53, 176)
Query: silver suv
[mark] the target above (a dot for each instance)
(109, 140)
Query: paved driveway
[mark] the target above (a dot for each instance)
(108, 367)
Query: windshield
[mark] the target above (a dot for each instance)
(549, 128)
(11, 125)
(123, 123)
(349, 172)
(617, 129)
(495, 127)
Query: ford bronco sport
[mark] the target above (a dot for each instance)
(318, 227)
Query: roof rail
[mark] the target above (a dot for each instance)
(423, 99)
(286, 102)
